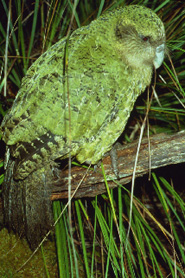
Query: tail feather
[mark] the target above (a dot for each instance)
(27, 203)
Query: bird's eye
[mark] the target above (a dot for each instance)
(145, 38)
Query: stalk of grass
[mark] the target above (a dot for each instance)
(94, 238)
(45, 265)
(86, 264)
(35, 16)
(108, 238)
(121, 229)
(62, 249)
(21, 35)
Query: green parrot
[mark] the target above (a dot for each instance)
(75, 100)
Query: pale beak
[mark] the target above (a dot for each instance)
(159, 55)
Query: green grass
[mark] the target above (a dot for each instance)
(93, 241)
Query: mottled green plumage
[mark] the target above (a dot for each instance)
(109, 63)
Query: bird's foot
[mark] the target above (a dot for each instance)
(114, 159)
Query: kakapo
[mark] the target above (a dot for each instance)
(80, 110)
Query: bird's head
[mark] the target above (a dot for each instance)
(140, 37)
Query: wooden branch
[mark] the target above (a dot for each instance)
(164, 150)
